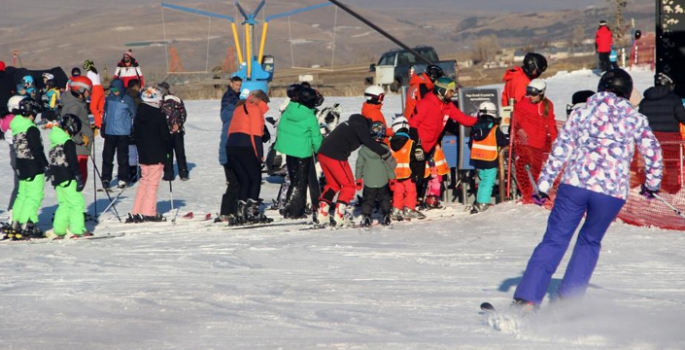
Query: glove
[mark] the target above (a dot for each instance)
(96, 131)
(86, 140)
(647, 193)
(419, 154)
(79, 183)
(359, 184)
(540, 198)
(391, 184)
(390, 160)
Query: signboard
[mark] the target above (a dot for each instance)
(670, 42)
(469, 101)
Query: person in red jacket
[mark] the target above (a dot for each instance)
(535, 129)
(603, 43)
(371, 109)
(129, 69)
(516, 80)
(419, 86)
(428, 123)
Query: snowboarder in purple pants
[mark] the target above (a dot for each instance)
(594, 149)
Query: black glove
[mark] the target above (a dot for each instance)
(419, 154)
(647, 193)
(79, 183)
(390, 160)
(46, 172)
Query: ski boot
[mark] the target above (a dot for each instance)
(11, 230)
(254, 214)
(386, 221)
(341, 217)
(32, 231)
(134, 219)
(241, 213)
(523, 307)
(323, 216)
(409, 213)
(366, 221)
(396, 214)
(480, 207)
(154, 218)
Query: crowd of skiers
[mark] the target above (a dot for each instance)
(144, 127)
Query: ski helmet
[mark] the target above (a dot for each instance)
(662, 79)
(487, 108)
(48, 76)
(29, 107)
(536, 87)
(71, 124)
(617, 81)
(13, 104)
(434, 72)
(151, 96)
(443, 85)
(374, 94)
(293, 91)
(534, 64)
(88, 64)
(76, 72)
(400, 124)
(307, 97)
(27, 81)
(602, 23)
(80, 84)
(377, 131)
(578, 100)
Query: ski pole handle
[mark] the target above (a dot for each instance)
(531, 179)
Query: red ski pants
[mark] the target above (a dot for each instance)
(404, 194)
(339, 178)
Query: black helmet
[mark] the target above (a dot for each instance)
(319, 99)
(307, 97)
(434, 72)
(293, 91)
(638, 34)
(617, 81)
(29, 106)
(71, 124)
(662, 79)
(534, 64)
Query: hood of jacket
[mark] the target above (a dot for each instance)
(119, 84)
(422, 78)
(58, 137)
(513, 73)
(657, 92)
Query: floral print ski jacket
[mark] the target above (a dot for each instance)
(596, 146)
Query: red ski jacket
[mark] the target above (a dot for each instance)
(530, 117)
(430, 119)
(603, 39)
(515, 84)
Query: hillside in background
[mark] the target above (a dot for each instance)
(65, 33)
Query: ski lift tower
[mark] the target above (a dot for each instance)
(255, 70)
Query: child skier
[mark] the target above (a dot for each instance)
(404, 191)
(486, 138)
(175, 111)
(376, 177)
(51, 103)
(67, 180)
(31, 168)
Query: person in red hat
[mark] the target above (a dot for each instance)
(129, 69)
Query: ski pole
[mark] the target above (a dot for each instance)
(111, 201)
(531, 179)
(171, 194)
(95, 186)
(676, 210)
(511, 149)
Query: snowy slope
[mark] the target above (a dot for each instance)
(197, 285)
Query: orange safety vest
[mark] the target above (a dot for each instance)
(485, 149)
(403, 157)
(440, 163)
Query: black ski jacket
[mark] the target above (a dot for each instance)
(664, 109)
(152, 135)
(348, 136)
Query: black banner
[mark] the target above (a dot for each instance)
(670, 42)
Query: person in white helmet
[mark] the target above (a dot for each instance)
(371, 109)
(486, 138)
(534, 130)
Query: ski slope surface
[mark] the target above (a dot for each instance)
(417, 285)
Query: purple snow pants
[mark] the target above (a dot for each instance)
(569, 207)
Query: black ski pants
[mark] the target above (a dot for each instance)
(248, 170)
(369, 197)
(230, 198)
(118, 144)
(178, 148)
(604, 62)
(296, 199)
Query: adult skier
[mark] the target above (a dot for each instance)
(230, 197)
(128, 68)
(603, 43)
(516, 80)
(419, 86)
(594, 150)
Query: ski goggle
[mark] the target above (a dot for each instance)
(531, 91)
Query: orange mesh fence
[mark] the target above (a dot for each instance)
(637, 210)
(642, 212)
(642, 52)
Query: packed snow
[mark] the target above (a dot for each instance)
(418, 285)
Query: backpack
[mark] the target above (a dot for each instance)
(175, 111)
